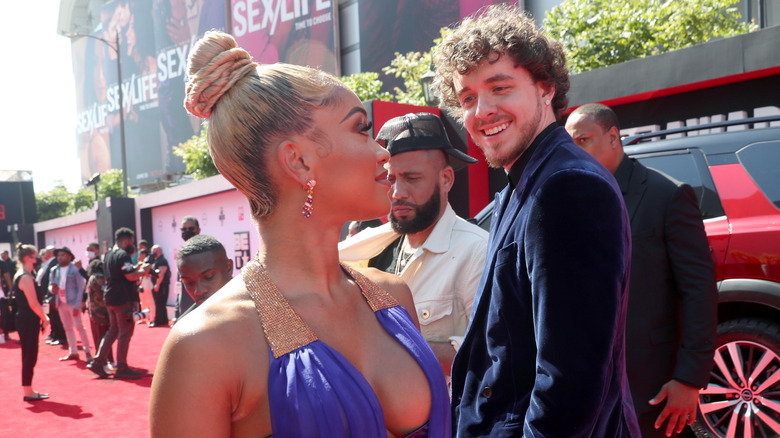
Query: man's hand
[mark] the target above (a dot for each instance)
(680, 407)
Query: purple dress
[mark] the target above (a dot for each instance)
(313, 390)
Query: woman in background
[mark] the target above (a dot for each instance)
(30, 319)
(297, 345)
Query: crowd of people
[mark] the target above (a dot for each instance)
(588, 310)
(117, 291)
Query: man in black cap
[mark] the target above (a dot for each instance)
(438, 254)
(67, 285)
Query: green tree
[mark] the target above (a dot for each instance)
(83, 199)
(54, 203)
(598, 33)
(410, 67)
(110, 184)
(196, 156)
(59, 202)
(367, 86)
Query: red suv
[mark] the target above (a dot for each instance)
(734, 168)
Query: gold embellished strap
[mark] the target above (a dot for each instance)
(284, 330)
(377, 297)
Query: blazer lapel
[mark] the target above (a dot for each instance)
(637, 185)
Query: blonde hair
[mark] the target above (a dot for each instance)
(250, 107)
(22, 251)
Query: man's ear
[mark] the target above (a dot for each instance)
(447, 178)
(614, 137)
(548, 92)
(295, 160)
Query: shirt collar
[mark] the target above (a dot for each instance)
(439, 239)
(516, 171)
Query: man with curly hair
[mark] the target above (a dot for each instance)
(544, 354)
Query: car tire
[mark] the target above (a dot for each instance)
(744, 382)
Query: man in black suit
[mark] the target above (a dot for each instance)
(672, 303)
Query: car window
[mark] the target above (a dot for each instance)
(688, 166)
(762, 163)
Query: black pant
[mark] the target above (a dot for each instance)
(183, 302)
(28, 327)
(161, 306)
(57, 330)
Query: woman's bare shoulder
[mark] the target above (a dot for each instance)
(216, 353)
(228, 314)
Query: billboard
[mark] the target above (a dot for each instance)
(405, 26)
(155, 37)
(302, 32)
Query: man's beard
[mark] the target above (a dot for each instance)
(424, 215)
(521, 144)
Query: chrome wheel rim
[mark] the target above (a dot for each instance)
(742, 399)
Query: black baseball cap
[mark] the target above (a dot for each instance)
(66, 249)
(420, 131)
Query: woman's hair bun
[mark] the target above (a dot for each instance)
(19, 246)
(215, 64)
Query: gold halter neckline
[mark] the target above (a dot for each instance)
(284, 329)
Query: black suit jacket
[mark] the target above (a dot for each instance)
(672, 304)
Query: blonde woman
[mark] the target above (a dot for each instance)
(297, 345)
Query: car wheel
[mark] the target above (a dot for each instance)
(743, 395)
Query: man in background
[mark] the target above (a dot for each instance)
(67, 286)
(161, 280)
(438, 254)
(204, 268)
(189, 229)
(48, 261)
(672, 300)
(121, 299)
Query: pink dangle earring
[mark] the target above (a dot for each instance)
(307, 205)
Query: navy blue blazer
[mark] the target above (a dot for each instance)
(544, 354)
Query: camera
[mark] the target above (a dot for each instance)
(142, 315)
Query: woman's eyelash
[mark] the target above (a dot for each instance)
(367, 127)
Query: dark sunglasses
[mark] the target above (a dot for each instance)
(188, 228)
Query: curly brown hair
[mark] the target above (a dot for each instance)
(501, 29)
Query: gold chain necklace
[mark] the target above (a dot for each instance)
(403, 257)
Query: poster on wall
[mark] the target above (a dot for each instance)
(301, 32)
(155, 37)
(241, 251)
(406, 26)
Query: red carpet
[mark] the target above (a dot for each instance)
(81, 405)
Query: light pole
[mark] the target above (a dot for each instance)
(115, 47)
(429, 94)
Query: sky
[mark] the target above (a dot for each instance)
(38, 111)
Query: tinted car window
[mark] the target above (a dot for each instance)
(689, 166)
(762, 163)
